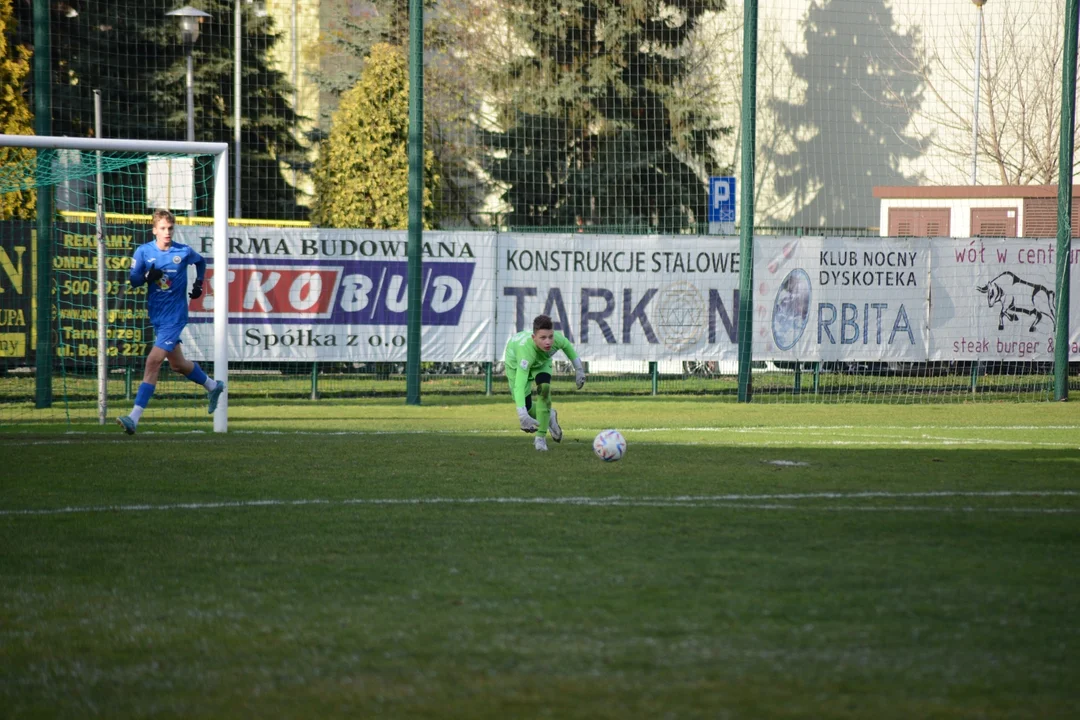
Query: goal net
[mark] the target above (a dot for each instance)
(74, 334)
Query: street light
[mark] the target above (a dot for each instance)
(978, 72)
(189, 32)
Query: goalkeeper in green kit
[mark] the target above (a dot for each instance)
(527, 360)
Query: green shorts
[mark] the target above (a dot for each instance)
(513, 370)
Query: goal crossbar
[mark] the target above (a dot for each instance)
(55, 142)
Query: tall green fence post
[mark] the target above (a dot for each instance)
(42, 127)
(487, 378)
(746, 201)
(416, 198)
(315, 380)
(654, 375)
(1064, 225)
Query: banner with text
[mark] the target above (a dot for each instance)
(819, 298)
(309, 294)
(342, 295)
(995, 299)
(624, 297)
(73, 293)
(16, 292)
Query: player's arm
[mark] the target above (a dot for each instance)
(521, 383)
(200, 274)
(521, 390)
(562, 343)
(200, 267)
(140, 271)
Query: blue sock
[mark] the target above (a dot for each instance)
(146, 391)
(197, 375)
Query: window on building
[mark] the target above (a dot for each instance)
(1040, 217)
(919, 222)
(993, 222)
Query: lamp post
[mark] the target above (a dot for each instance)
(189, 32)
(978, 72)
(237, 62)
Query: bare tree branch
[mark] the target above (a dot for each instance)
(1019, 100)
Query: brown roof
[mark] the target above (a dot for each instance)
(957, 192)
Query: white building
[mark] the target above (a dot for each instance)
(970, 211)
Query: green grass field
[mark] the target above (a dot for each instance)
(371, 558)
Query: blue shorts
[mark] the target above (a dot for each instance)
(168, 337)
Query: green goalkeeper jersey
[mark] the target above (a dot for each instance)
(524, 359)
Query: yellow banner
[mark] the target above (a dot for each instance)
(13, 345)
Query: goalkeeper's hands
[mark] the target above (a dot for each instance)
(579, 375)
(196, 290)
(153, 274)
(528, 424)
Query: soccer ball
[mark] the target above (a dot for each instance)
(609, 445)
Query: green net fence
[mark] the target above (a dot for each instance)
(596, 148)
(558, 114)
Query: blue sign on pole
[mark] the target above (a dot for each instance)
(722, 199)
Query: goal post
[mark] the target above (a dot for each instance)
(77, 165)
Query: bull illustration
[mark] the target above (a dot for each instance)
(1015, 296)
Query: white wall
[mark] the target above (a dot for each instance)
(960, 216)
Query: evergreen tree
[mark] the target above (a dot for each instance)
(362, 174)
(132, 52)
(596, 121)
(849, 132)
(354, 27)
(15, 116)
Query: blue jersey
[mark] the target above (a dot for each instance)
(168, 297)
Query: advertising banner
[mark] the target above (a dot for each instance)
(16, 293)
(128, 335)
(995, 299)
(838, 299)
(73, 292)
(625, 297)
(342, 295)
(309, 294)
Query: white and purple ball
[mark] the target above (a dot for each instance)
(609, 445)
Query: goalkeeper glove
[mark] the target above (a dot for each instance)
(196, 290)
(153, 275)
(528, 424)
(579, 376)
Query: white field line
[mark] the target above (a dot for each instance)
(867, 441)
(798, 432)
(870, 441)
(772, 428)
(928, 442)
(757, 502)
(817, 429)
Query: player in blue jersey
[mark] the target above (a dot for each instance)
(161, 265)
(527, 359)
